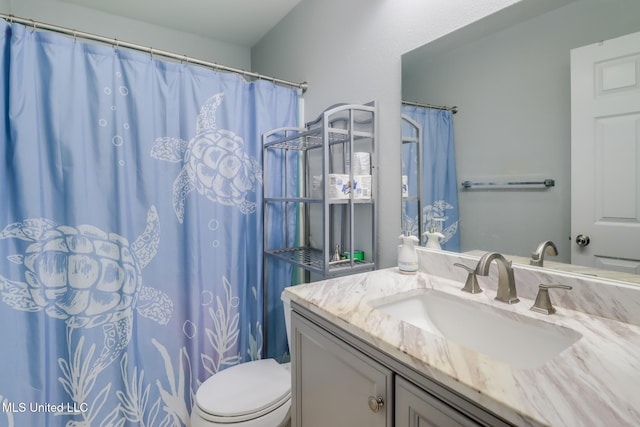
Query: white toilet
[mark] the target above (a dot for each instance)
(252, 394)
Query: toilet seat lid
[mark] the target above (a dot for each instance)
(245, 391)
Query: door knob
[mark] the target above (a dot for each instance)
(582, 240)
(375, 403)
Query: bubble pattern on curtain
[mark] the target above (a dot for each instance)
(439, 181)
(130, 230)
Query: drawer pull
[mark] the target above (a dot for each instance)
(375, 403)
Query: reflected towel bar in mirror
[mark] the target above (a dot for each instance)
(546, 183)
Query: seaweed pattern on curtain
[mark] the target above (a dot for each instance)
(125, 288)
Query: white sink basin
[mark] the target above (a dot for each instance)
(520, 341)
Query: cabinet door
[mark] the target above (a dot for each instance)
(416, 408)
(334, 384)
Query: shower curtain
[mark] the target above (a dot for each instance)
(130, 230)
(439, 189)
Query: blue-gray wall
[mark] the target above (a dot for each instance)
(93, 21)
(350, 51)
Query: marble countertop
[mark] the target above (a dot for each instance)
(595, 382)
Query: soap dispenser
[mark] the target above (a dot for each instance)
(407, 255)
(433, 234)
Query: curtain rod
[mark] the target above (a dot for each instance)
(453, 109)
(94, 37)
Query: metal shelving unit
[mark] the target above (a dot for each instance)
(296, 164)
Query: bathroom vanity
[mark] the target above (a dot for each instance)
(343, 381)
(360, 358)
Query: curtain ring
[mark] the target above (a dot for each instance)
(33, 23)
(151, 52)
(75, 36)
(116, 44)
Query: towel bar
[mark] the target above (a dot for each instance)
(547, 183)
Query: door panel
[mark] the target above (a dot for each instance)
(605, 153)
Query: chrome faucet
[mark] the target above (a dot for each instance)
(506, 282)
(537, 257)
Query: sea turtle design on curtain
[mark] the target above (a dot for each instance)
(214, 163)
(87, 278)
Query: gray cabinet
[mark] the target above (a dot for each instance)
(335, 385)
(416, 408)
(339, 380)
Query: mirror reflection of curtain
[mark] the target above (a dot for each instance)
(439, 183)
(130, 229)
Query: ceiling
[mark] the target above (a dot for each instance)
(240, 22)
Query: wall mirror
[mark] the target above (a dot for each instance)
(509, 75)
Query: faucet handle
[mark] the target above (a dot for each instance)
(543, 301)
(471, 285)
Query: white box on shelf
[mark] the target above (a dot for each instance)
(361, 163)
(362, 186)
(338, 186)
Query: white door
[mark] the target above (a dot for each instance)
(605, 154)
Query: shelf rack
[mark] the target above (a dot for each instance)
(296, 162)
